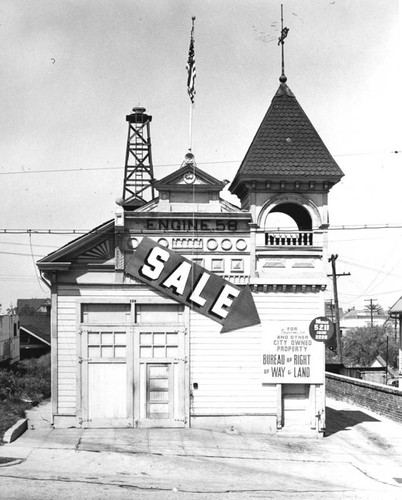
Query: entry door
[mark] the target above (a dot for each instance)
(105, 373)
(296, 407)
(161, 376)
(160, 393)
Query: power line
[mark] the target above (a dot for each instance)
(47, 231)
(352, 227)
(18, 279)
(223, 162)
(344, 227)
(96, 169)
(19, 254)
(27, 244)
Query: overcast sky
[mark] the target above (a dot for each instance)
(72, 70)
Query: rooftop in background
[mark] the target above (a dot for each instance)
(41, 306)
(396, 309)
(34, 316)
(38, 325)
(363, 314)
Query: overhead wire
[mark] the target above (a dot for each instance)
(14, 243)
(221, 162)
(19, 254)
(78, 231)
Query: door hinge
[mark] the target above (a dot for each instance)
(81, 359)
(83, 420)
(184, 420)
(184, 359)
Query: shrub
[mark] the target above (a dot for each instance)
(36, 367)
(35, 377)
(8, 384)
(28, 379)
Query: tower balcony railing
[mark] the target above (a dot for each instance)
(289, 238)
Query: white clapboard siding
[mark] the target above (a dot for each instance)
(67, 353)
(227, 367)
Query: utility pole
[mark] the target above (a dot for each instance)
(334, 276)
(386, 364)
(331, 306)
(371, 308)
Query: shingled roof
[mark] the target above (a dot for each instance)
(287, 145)
(38, 325)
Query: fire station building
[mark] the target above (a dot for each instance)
(188, 311)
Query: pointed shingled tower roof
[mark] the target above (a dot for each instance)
(286, 145)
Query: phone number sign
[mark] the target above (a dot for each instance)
(321, 329)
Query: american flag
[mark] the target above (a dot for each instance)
(191, 74)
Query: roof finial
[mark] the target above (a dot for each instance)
(281, 41)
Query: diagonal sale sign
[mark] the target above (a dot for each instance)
(192, 285)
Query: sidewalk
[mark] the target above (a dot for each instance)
(362, 455)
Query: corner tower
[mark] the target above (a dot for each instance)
(284, 180)
(286, 155)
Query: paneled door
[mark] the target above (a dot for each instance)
(296, 407)
(161, 376)
(106, 377)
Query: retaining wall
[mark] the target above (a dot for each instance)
(381, 399)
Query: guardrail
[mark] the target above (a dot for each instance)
(288, 239)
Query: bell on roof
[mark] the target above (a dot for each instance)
(189, 159)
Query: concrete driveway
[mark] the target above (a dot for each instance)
(361, 457)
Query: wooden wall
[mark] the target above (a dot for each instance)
(226, 367)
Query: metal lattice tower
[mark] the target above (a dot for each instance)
(138, 172)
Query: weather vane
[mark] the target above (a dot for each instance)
(281, 41)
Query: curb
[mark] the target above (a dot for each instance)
(16, 430)
(11, 461)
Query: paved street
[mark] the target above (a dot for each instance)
(361, 457)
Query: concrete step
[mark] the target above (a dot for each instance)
(40, 417)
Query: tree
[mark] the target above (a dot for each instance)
(362, 345)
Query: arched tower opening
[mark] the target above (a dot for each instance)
(289, 216)
(289, 223)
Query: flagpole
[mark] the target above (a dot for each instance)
(191, 74)
(284, 34)
(283, 51)
(191, 127)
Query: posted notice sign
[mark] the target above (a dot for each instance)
(290, 355)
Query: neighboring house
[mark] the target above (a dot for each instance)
(9, 339)
(33, 306)
(34, 327)
(396, 313)
(376, 372)
(361, 318)
(388, 372)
